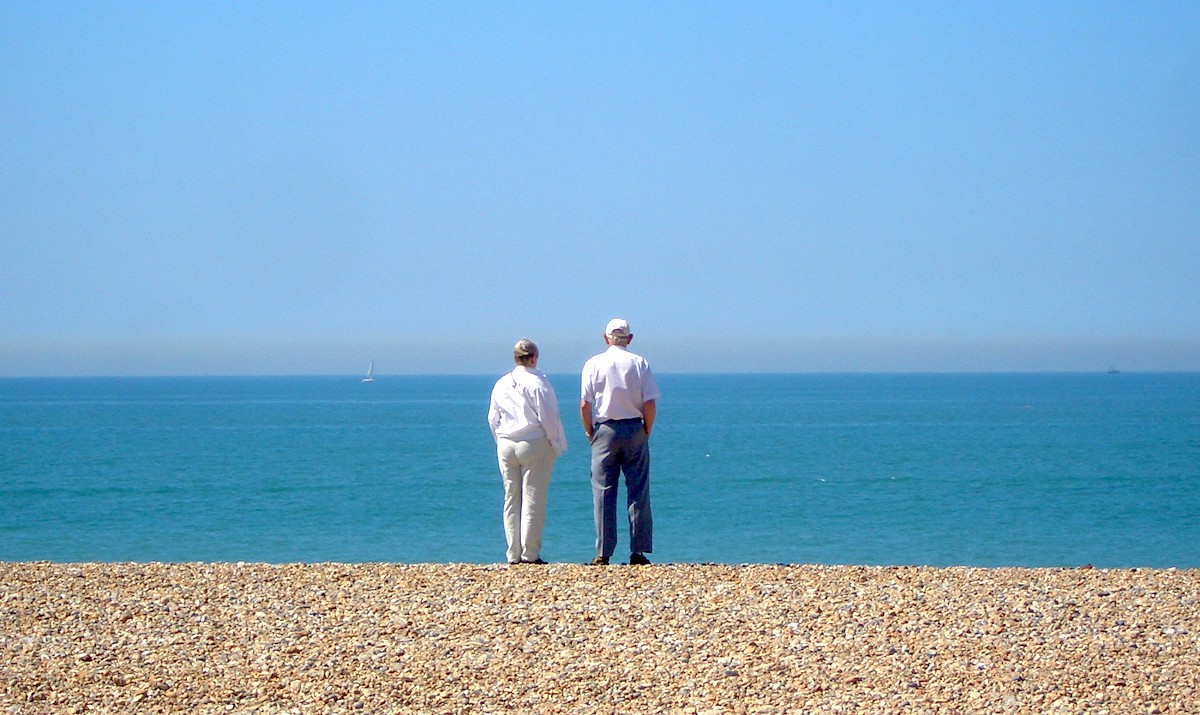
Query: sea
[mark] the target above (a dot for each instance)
(988, 470)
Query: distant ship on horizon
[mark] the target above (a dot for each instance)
(370, 373)
(1113, 371)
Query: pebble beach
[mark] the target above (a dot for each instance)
(565, 638)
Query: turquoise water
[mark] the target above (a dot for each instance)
(985, 470)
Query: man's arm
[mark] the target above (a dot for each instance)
(585, 416)
(649, 408)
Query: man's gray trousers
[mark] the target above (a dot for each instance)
(621, 446)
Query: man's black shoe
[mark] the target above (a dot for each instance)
(537, 561)
(638, 560)
(599, 561)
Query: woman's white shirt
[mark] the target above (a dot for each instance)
(524, 407)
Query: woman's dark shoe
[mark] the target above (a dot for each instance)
(638, 560)
(537, 561)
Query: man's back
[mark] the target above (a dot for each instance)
(618, 383)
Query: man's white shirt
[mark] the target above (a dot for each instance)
(617, 383)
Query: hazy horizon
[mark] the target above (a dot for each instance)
(665, 358)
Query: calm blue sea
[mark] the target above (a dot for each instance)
(984, 470)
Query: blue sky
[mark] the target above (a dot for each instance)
(299, 188)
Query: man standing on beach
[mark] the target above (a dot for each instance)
(617, 408)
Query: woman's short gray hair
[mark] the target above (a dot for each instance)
(524, 351)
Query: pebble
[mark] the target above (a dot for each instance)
(688, 638)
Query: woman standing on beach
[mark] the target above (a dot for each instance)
(523, 416)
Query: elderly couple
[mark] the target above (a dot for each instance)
(617, 407)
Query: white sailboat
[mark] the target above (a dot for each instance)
(370, 373)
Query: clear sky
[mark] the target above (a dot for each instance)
(301, 188)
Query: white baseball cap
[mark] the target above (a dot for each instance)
(618, 328)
